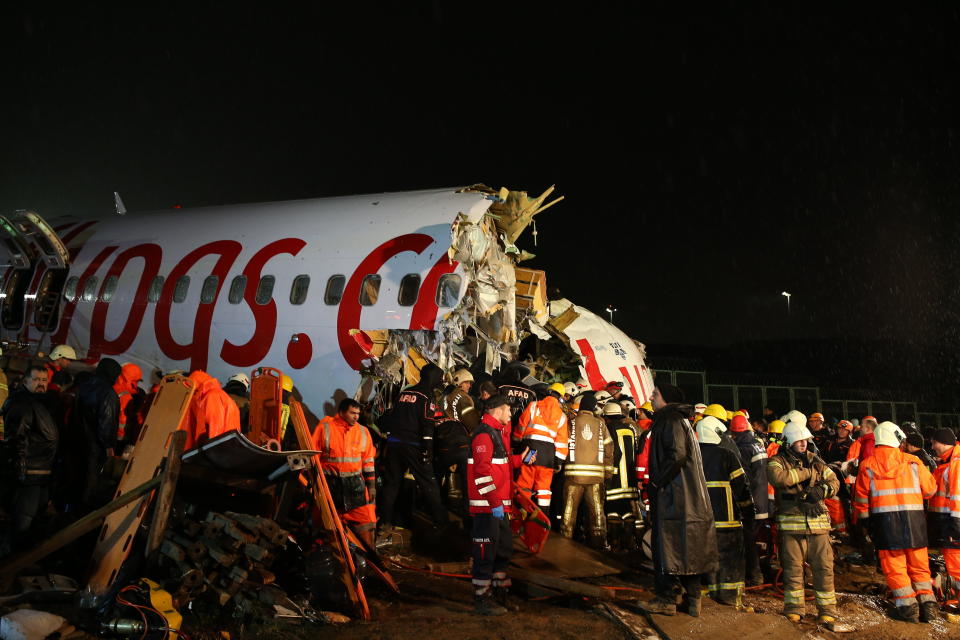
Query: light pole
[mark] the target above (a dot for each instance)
(610, 310)
(787, 296)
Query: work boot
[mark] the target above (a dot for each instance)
(660, 605)
(929, 611)
(501, 595)
(909, 613)
(485, 606)
(693, 606)
(793, 616)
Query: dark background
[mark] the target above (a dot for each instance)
(710, 160)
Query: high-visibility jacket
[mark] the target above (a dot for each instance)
(590, 450)
(943, 510)
(643, 459)
(623, 484)
(346, 457)
(727, 485)
(458, 405)
(126, 385)
(792, 477)
(211, 411)
(545, 421)
(489, 468)
(890, 489)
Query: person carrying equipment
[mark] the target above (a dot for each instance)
(543, 428)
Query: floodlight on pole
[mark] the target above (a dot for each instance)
(610, 310)
(787, 296)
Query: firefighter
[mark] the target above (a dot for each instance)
(238, 388)
(543, 428)
(623, 495)
(753, 458)
(834, 454)
(489, 474)
(127, 387)
(889, 493)
(821, 434)
(802, 481)
(589, 462)
(411, 425)
(346, 457)
(61, 357)
(286, 392)
(458, 405)
(732, 502)
(211, 411)
(943, 515)
(775, 437)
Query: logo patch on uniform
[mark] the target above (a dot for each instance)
(587, 433)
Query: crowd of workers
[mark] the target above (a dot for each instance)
(716, 489)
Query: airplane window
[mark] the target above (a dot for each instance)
(298, 292)
(409, 288)
(109, 288)
(237, 288)
(90, 289)
(209, 290)
(370, 290)
(180, 291)
(265, 289)
(334, 290)
(448, 290)
(156, 287)
(70, 289)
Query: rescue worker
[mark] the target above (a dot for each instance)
(238, 388)
(775, 432)
(943, 517)
(286, 392)
(514, 390)
(411, 426)
(489, 479)
(32, 436)
(753, 458)
(347, 459)
(834, 454)
(862, 447)
(486, 391)
(458, 405)
(914, 446)
(615, 389)
(543, 428)
(570, 391)
(836, 449)
(211, 413)
(95, 416)
(889, 493)
(623, 496)
(61, 357)
(821, 435)
(684, 539)
(731, 500)
(127, 387)
(602, 399)
(589, 462)
(802, 481)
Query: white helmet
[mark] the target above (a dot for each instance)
(63, 351)
(461, 376)
(240, 377)
(571, 389)
(612, 409)
(888, 434)
(602, 398)
(699, 407)
(794, 431)
(794, 416)
(709, 430)
(627, 405)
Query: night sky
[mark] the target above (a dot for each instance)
(709, 160)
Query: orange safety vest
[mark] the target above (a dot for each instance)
(545, 421)
(211, 413)
(947, 498)
(344, 450)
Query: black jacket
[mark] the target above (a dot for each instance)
(753, 457)
(412, 420)
(97, 410)
(728, 489)
(684, 537)
(33, 435)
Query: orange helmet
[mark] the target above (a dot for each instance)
(816, 416)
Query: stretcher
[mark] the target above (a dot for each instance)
(528, 521)
(266, 405)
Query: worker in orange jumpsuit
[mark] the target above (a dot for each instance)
(211, 411)
(944, 507)
(346, 457)
(543, 429)
(126, 387)
(890, 489)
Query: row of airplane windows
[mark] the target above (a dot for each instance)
(446, 295)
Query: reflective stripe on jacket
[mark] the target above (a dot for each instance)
(791, 480)
(344, 450)
(943, 518)
(544, 421)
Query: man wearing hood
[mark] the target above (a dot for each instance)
(889, 493)
(411, 424)
(211, 413)
(97, 416)
(802, 480)
(732, 504)
(943, 511)
(753, 457)
(684, 539)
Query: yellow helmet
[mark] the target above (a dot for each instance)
(729, 415)
(776, 426)
(647, 406)
(558, 388)
(287, 383)
(717, 411)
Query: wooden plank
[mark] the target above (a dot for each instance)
(65, 536)
(561, 584)
(337, 537)
(116, 537)
(168, 487)
(564, 558)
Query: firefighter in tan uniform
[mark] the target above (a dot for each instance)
(589, 462)
(458, 405)
(802, 481)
